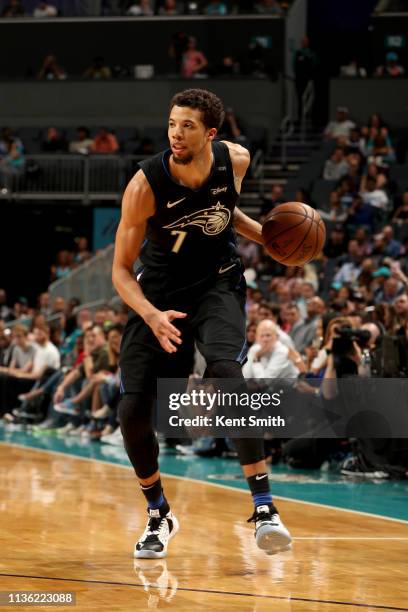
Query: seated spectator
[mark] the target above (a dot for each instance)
(22, 351)
(337, 211)
(12, 164)
(83, 253)
(14, 8)
(336, 166)
(83, 144)
(170, 7)
(54, 141)
(401, 214)
(268, 357)
(353, 69)
(273, 199)
(353, 143)
(341, 126)
(268, 7)
(97, 360)
(392, 247)
(62, 266)
(193, 61)
(379, 147)
(215, 7)
(391, 68)
(229, 66)
(98, 70)
(44, 10)
(376, 173)
(105, 142)
(51, 71)
(8, 136)
(351, 269)
(388, 291)
(373, 196)
(140, 8)
(302, 331)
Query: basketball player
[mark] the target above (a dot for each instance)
(179, 215)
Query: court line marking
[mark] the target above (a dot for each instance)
(211, 592)
(210, 484)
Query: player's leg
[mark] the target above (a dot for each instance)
(220, 333)
(270, 533)
(138, 364)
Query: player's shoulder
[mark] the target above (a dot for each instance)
(138, 197)
(239, 155)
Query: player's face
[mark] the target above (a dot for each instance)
(188, 135)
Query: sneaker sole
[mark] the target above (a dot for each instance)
(272, 541)
(152, 554)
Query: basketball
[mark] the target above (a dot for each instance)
(293, 233)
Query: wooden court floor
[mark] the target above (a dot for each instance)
(69, 524)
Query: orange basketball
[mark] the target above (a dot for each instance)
(293, 233)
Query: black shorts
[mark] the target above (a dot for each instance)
(215, 322)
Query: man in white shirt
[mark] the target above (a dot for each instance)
(46, 360)
(341, 126)
(44, 10)
(268, 357)
(373, 196)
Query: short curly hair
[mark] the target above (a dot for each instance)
(207, 102)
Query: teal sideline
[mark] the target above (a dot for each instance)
(382, 498)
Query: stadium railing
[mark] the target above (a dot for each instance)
(71, 177)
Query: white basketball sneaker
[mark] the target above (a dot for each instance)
(159, 530)
(271, 534)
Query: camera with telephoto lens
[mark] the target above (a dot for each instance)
(344, 338)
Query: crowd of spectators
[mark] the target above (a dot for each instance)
(61, 375)
(391, 67)
(360, 170)
(146, 8)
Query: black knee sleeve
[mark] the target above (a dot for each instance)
(135, 412)
(250, 450)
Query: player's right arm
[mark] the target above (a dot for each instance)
(137, 206)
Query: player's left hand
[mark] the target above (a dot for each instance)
(167, 334)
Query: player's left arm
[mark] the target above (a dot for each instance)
(243, 224)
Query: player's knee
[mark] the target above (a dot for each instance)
(250, 450)
(224, 368)
(134, 415)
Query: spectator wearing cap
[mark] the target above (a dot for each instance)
(373, 196)
(341, 126)
(336, 166)
(391, 68)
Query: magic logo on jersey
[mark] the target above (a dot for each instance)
(211, 220)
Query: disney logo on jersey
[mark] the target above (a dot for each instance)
(218, 190)
(211, 220)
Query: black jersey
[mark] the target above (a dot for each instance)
(191, 233)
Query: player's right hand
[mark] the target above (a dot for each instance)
(167, 334)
